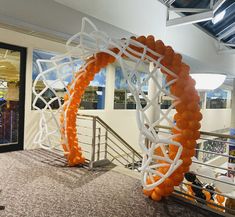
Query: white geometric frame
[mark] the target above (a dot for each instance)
(93, 43)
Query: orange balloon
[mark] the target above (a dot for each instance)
(180, 108)
(220, 198)
(149, 181)
(182, 124)
(193, 106)
(177, 176)
(169, 78)
(142, 39)
(147, 193)
(198, 116)
(169, 182)
(177, 117)
(155, 196)
(187, 134)
(187, 115)
(185, 169)
(172, 155)
(160, 47)
(159, 191)
(187, 161)
(185, 68)
(169, 190)
(173, 148)
(185, 152)
(177, 59)
(194, 125)
(207, 194)
(196, 135)
(190, 144)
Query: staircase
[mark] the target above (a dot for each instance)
(102, 145)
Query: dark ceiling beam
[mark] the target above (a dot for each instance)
(231, 30)
(195, 18)
(217, 5)
(188, 10)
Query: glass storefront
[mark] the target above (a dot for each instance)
(11, 102)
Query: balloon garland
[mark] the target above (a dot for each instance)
(187, 115)
(164, 160)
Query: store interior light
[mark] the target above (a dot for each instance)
(208, 81)
(218, 17)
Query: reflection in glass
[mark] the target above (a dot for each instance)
(9, 96)
(123, 98)
(217, 99)
(94, 96)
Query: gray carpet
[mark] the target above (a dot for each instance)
(39, 184)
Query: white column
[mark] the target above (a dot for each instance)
(231, 161)
(203, 98)
(229, 97)
(233, 106)
(153, 112)
(109, 87)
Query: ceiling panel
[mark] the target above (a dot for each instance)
(222, 27)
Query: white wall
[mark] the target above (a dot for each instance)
(215, 119)
(149, 18)
(30, 42)
(136, 16)
(124, 122)
(193, 42)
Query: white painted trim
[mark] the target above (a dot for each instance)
(196, 18)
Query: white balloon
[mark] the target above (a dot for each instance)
(206, 171)
(223, 187)
(194, 166)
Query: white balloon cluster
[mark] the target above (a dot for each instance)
(222, 183)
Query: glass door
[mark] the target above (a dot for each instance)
(12, 94)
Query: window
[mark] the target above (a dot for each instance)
(218, 99)
(165, 100)
(123, 98)
(94, 96)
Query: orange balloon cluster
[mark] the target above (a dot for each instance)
(72, 101)
(219, 201)
(187, 115)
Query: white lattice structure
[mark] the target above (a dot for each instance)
(82, 46)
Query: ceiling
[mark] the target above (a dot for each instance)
(62, 18)
(222, 27)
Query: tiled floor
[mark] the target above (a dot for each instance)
(38, 183)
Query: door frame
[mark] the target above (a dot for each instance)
(23, 56)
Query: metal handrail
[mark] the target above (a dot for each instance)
(210, 179)
(112, 147)
(202, 133)
(113, 141)
(110, 130)
(114, 133)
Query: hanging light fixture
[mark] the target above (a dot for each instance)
(206, 81)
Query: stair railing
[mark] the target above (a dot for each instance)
(102, 144)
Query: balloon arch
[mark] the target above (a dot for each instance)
(165, 160)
